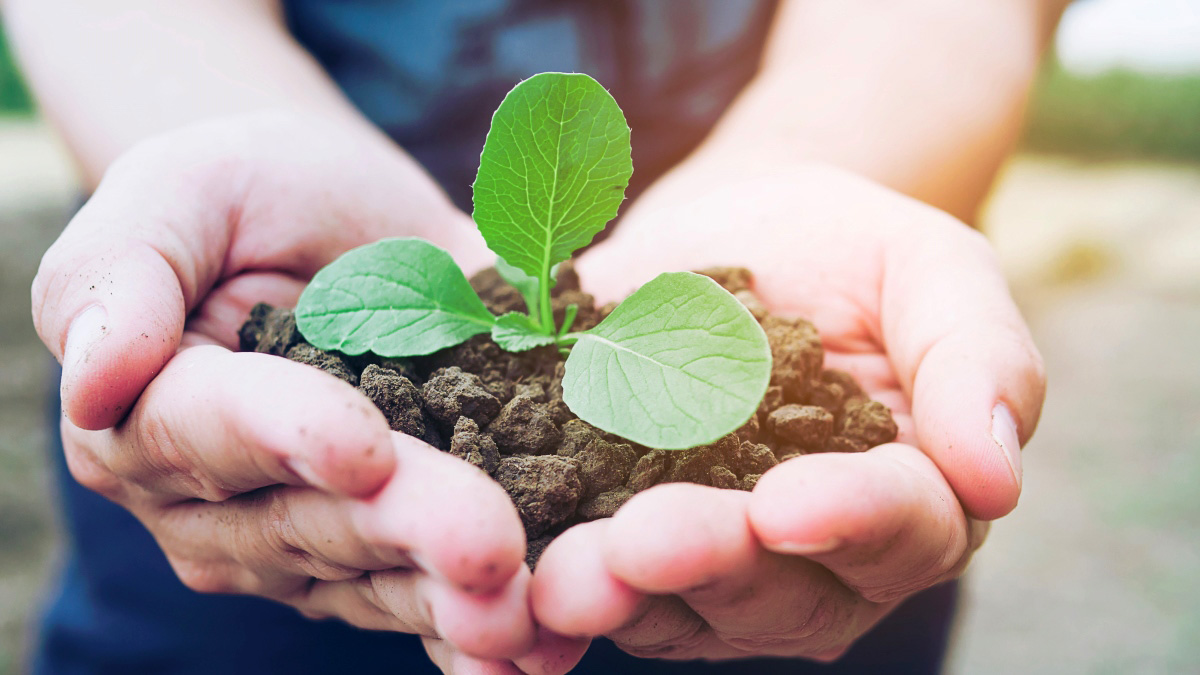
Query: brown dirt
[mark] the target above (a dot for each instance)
(504, 413)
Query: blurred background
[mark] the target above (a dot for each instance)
(1097, 220)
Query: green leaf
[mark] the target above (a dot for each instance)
(526, 285)
(553, 171)
(515, 332)
(679, 363)
(395, 297)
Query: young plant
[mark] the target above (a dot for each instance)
(678, 364)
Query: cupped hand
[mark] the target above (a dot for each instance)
(909, 301)
(256, 474)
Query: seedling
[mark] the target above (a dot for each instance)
(678, 364)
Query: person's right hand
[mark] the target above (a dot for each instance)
(255, 474)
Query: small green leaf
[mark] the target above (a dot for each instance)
(525, 284)
(395, 297)
(679, 363)
(515, 332)
(553, 171)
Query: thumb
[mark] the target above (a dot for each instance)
(111, 295)
(961, 349)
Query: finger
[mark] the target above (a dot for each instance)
(217, 423)
(457, 530)
(696, 542)
(454, 662)
(225, 309)
(884, 521)
(497, 626)
(489, 626)
(111, 294)
(456, 522)
(552, 654)
(961, 349)
(666, 628)
(573, 592)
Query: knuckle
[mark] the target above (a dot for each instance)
(156, 459)
(820, 617)
(285, 544)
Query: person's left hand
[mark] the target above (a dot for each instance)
(913, 304)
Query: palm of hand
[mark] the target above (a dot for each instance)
(907, 300)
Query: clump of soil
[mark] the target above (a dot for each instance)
(504, 412)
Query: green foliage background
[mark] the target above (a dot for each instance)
(14, 97)
(1116, 114)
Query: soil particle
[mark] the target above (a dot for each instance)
(720, 477)
(451, 393)
(504, 413)
(605, 504)
(545, 489)
(797, 355)
(828, 395)
(808, 426)
(329, 362)
(692, 465)
(732, 279)
(397, 397)
(473, 446)
(845, 444)
(870, 422)
(842, 379)
(535, 547)
(752, 303)
(604, 466)
(269, 330)
(749, 430)
(649, 470)
(751, 458)
(403, 367)
(526, 426)
(498, 296)
(586, 315)
(771, 400)
(576, 436)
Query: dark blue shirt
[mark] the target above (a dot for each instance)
(430, 72)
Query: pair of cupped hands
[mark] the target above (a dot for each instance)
(262, 476)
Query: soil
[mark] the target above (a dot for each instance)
(504, 412)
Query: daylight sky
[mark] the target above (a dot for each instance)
(1146, 35)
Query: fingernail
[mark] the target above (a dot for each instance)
(300, 468)
(1004, 432)
(807, 548)
(85, 332)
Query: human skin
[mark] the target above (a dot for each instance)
(107, 98)
(914, 305)
(257, 475)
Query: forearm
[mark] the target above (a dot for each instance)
(924, 96)
(111, 73)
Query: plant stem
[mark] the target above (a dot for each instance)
(568, 339)
(547, 316)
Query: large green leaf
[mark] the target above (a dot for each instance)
(679, 363)
(395, 297)
(553, 171)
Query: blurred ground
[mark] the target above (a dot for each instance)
(1095, 572)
